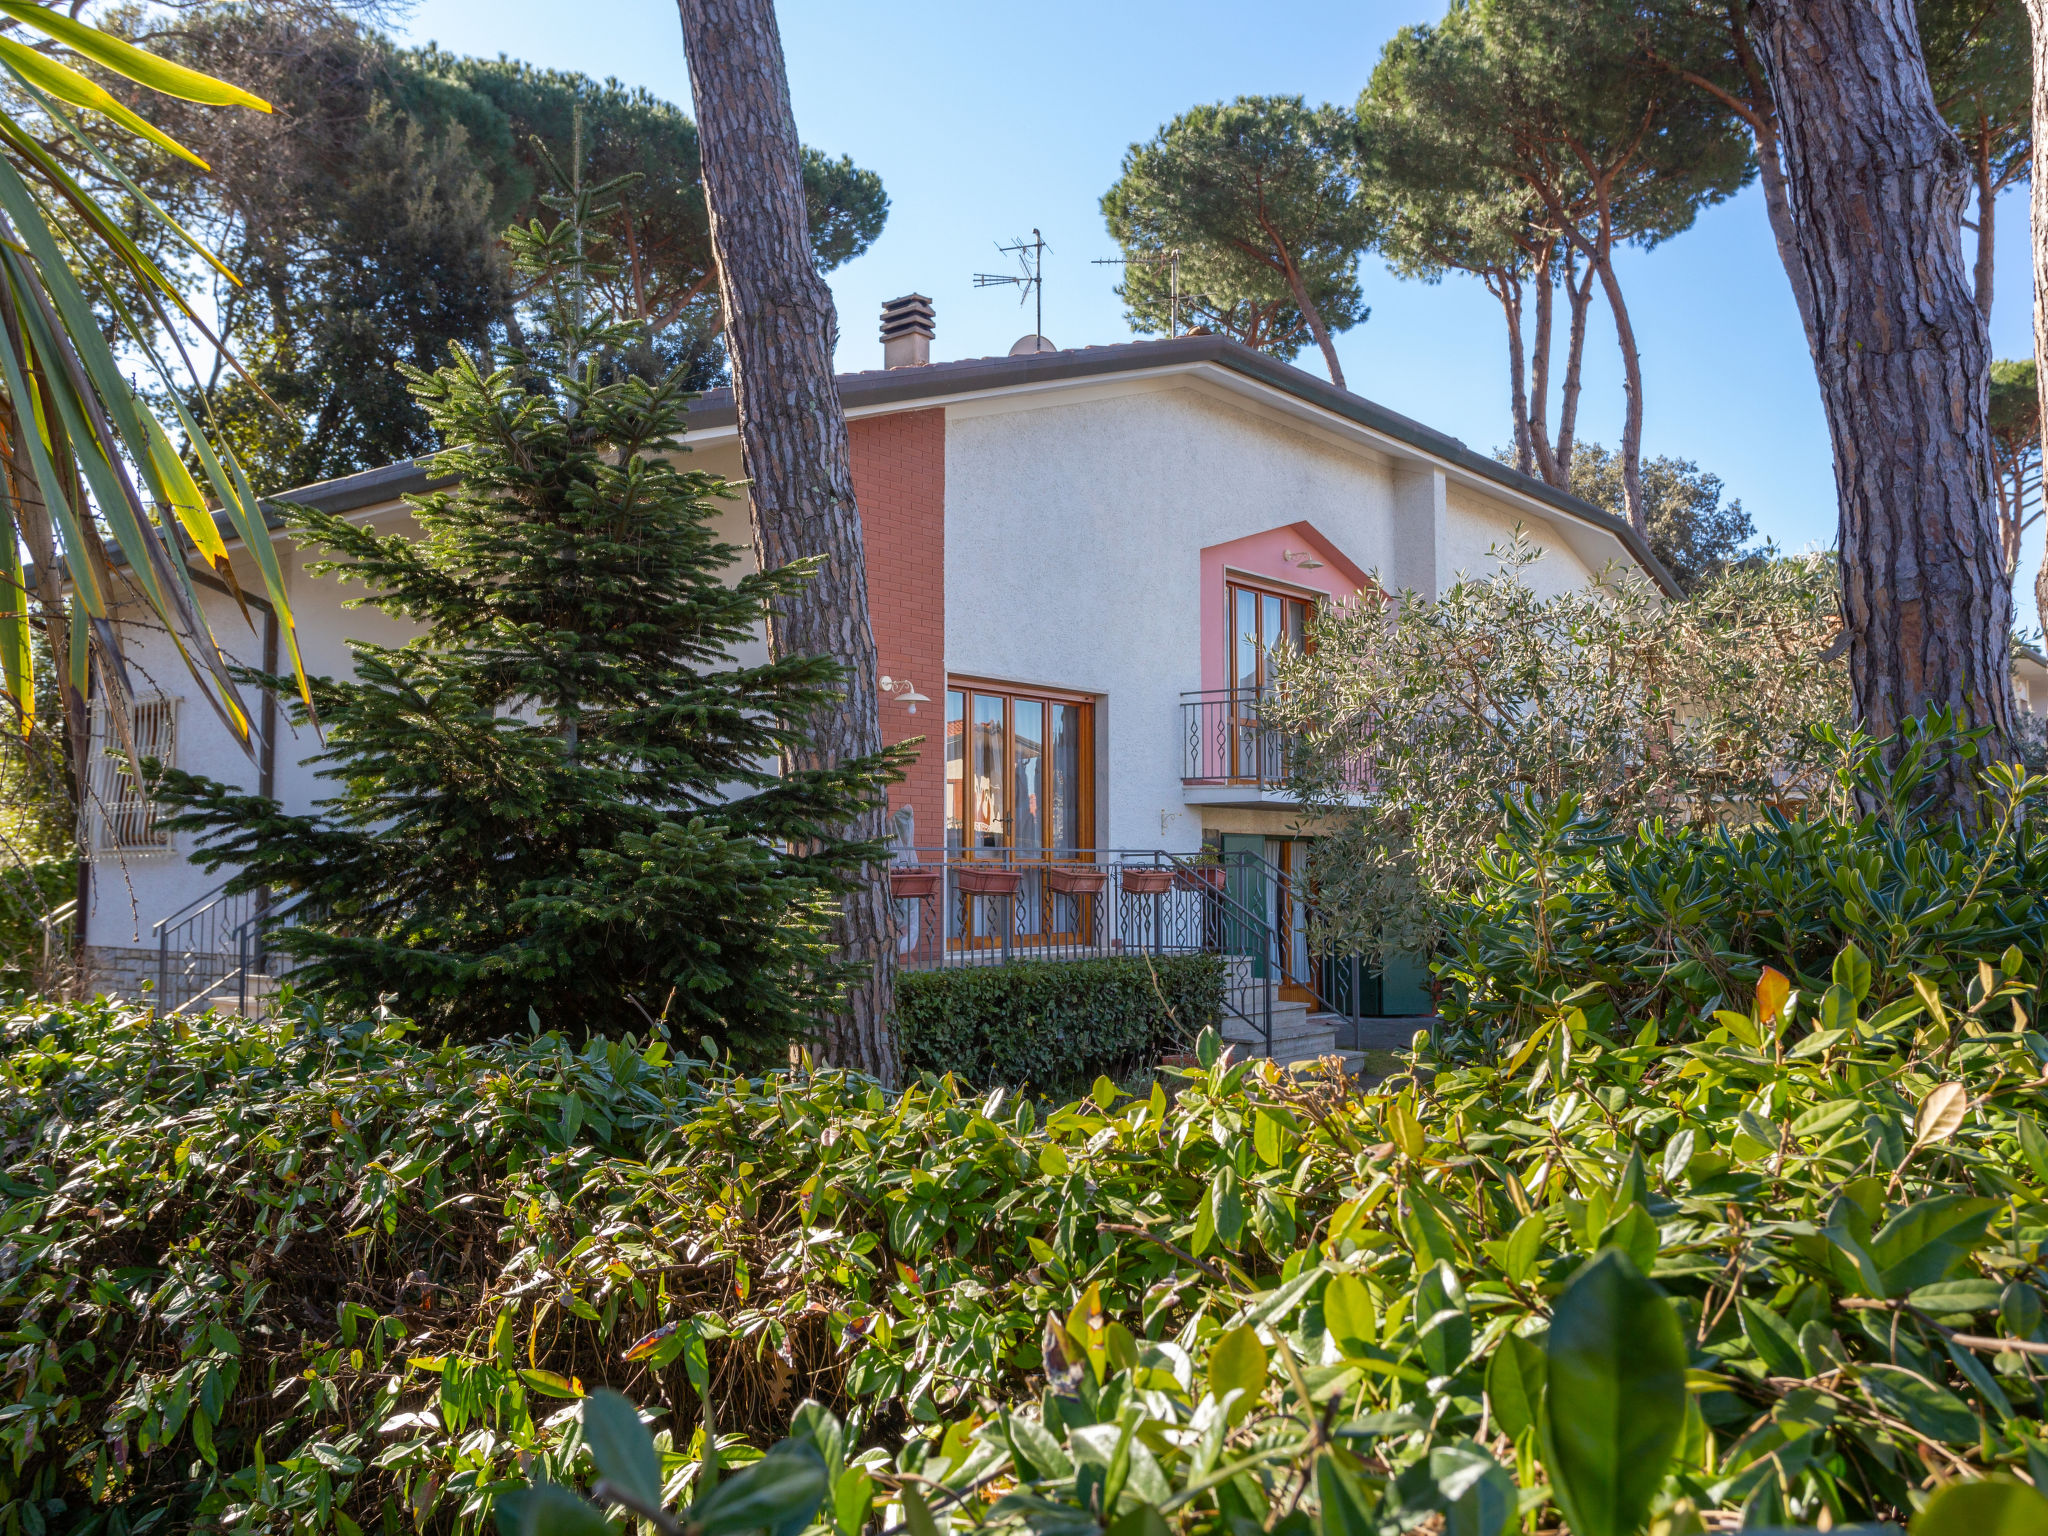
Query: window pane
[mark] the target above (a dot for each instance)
(1027, 723)
(1066, 776)
(956, 768)
(990, 804)
(1297, 624)
(1269, 634)
(1244, 636)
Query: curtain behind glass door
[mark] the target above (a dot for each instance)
(1027, 789)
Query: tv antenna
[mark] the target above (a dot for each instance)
(1167, 259)
(1030, 256)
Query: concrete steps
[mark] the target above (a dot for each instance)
(1302, 1038)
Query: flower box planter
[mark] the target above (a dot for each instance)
(1201, 878)
(1147, 882)
(987, 882)
(1075, 880)
(913, 884)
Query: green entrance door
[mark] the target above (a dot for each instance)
(1251, 897)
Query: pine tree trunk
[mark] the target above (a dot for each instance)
(1763, 126)
(1778, 208)
(1539, 372)
(1307, 307)
(1987, 222)
(1508, 289)
(2037, 17)
(781, 327)
(1878, 181)
(1580, 296)
(1632, 394)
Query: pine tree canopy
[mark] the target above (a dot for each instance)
(560, 797)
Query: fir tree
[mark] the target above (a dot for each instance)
(561, 796)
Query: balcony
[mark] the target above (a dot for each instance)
(1231, 755)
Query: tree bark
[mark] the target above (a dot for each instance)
(1762, 118)
(1539, 372)
(1632, 394)
(1878, 181)
(2037, 19)
(1580, 296)
(781, 328)
(1508, 289)
(1987, 221)
(1306, 305)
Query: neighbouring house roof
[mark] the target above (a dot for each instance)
(877, 390)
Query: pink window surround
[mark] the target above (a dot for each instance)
(1258, 556)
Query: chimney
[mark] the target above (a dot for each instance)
(907, 332)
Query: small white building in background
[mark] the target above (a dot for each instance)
(1077, 563)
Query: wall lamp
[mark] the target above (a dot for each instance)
(1301, 559)
(904, 689)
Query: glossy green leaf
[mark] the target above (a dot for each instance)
(1958, 1296)
(1237, 1363)
(1478, 1494)
(1772, 1338)
(1852, 972)
(1514, 1384)
(785, 1486)
(547, 1509)
(1992, 1506)
(1928, 1407)
(1349, 1314)
(853, 1501)
(622, 1448)
(1614, 1397)
(1346, 1508)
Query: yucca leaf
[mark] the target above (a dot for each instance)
(17, 664)
(164, 581)
(247, 512)
(88, 577)
(126, 59)
(89, 208)
(68, 84)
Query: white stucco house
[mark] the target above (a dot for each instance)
(1077, 563)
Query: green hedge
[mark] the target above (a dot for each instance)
(1055, 1025)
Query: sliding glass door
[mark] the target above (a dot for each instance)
(1018, 793)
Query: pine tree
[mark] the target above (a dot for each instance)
(561, 796)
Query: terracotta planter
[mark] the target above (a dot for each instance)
(1201, 878)
(1147, 882)
(1075, 880)
(987, 882)
(913, 884)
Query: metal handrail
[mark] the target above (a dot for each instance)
(1329, 998)
(955, 919)
(208, 943)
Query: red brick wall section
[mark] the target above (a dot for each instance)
(899, 476)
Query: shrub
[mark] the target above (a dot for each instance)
(1056, 1025)
(1671, 923)
(1695, 710)
(559, 795)
(293, 1275)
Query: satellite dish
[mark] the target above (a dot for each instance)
(1026, 345)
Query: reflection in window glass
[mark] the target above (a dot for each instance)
(1027, 736)
(989, 787)
(956, 768)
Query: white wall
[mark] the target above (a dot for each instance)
(1074, 530)
(131, 890)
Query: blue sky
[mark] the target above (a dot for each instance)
(984, 120)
